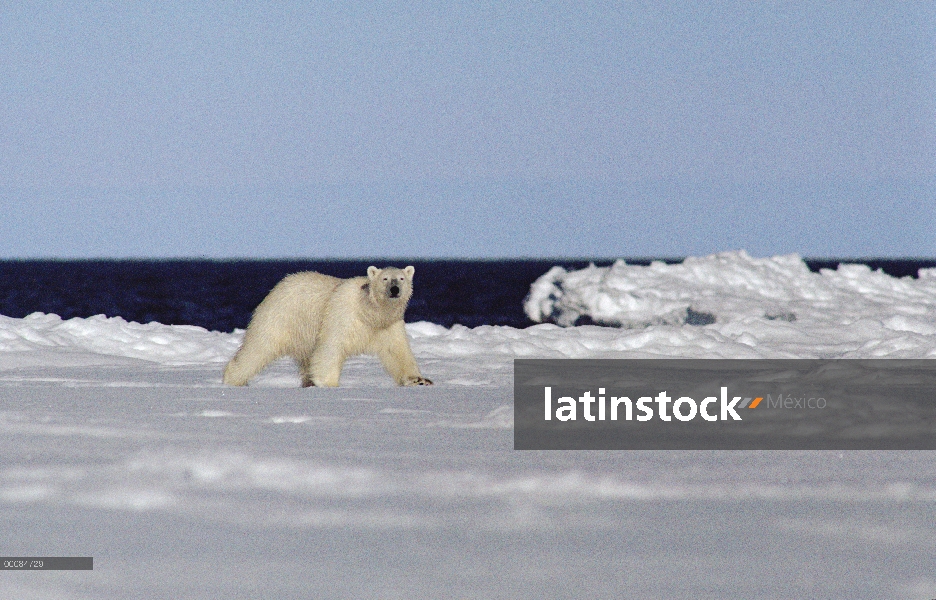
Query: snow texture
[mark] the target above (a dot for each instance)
(733, 288)
(121, 443)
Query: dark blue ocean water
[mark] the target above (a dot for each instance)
(221, 295)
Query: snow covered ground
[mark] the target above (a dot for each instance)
(119, 442)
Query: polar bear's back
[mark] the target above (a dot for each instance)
(293, 310)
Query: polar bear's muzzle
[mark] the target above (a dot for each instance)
(394, 290)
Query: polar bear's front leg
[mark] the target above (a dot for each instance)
(327, 362)
(394, 351)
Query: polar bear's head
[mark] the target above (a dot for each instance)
(391, 283)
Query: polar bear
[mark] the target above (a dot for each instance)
(320, 321)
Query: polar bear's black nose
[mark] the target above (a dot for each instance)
(394, 290)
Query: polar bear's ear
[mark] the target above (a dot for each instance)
(372, 272)
(409, 271)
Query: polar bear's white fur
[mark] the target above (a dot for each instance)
(320, 321)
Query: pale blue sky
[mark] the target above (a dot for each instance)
(481, 129)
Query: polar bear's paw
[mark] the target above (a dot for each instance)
(418, 381)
